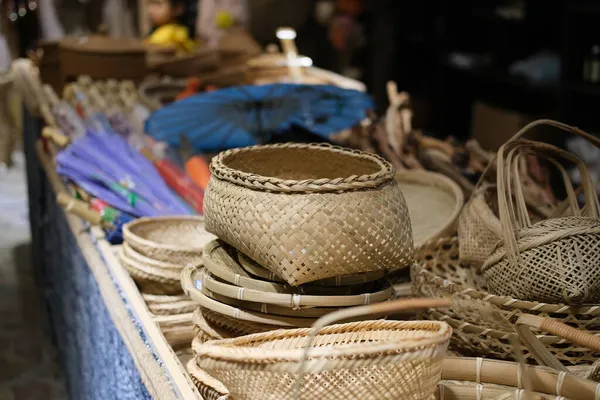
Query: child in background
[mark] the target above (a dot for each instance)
(168, 30)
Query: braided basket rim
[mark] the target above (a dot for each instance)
(220, 170)
(502, 301)
(234, 349)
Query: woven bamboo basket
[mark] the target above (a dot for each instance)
(176, 240)
(402, 359)
(554, 260)
(309, 211)
(168, 305)
(222, 327)
(150, 279)
(129, 252)
(438, 272)
(219, 261)
(209, 387)
(295, 301)
(192, 284)
(256, 270)
(426, 191)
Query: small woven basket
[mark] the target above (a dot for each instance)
(168, 305)
(209, 387)
(151, 280)
(309, 211)
(437, 272)
(554, 260)
(175, 240)
(401, 359)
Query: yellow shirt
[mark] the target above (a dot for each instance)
(173, 35)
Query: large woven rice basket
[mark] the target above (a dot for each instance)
(309, 211)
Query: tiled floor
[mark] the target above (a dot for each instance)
(28, 365)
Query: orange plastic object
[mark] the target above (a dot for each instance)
(197, 169)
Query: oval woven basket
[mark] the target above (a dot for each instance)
(176, 240)
(554, 260)
(149, 279)
(190, 277)
(301, 312)
(438, 272)
(434, 203)
(230, 327)
(209, 387)
(220, 263)
(253, 268)
(294, 300)
(168, 305)
(140, 258)
(309, 211)
(401, 360)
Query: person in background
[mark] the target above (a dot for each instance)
(169, 29)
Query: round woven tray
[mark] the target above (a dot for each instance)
(151, 279)
(438, 272)
(253, 268)
(231, 326)
(168, 305)
(294, 300)
(176, 240)
(220, 263)
(297, 210)
(434, 203)
(190, 276)
(302, 312)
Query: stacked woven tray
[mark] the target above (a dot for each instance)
(154, 252)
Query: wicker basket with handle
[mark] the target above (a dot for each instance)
(359, 360)
(554, 260)
(437, 272)
(309, 211)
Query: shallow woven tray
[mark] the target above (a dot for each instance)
(176, 240)
(188, 279)
(253, 268)
(302, 312)
(219, 262)
(151, 279)
(295, 300)
(438, 272)
(168, 305)
(434, 203)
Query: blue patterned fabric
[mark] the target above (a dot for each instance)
(94, 359)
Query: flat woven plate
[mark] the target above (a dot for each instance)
(190, 278)
(219, 262)
(302, 312)
(296, 300)
(253, 268)
(434, 203)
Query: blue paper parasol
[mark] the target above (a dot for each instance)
(246, 115)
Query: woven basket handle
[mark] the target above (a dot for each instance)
(361, 311)
(540, 122)
(539, 350)
(510, 183)
(511, 216)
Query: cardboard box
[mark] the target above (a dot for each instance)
(492, 126)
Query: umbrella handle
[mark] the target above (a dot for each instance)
(79, 208)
